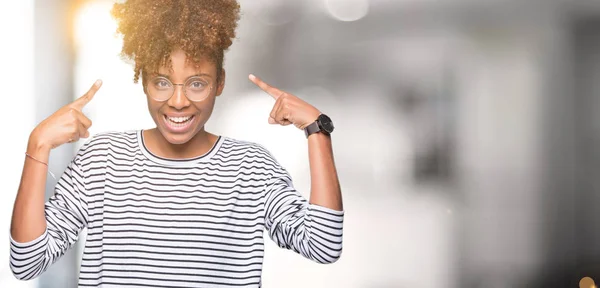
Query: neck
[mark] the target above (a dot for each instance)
(199, 145)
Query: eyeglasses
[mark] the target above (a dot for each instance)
(195, 88)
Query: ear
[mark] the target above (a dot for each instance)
(221, 83)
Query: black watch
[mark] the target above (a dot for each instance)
(322, 124)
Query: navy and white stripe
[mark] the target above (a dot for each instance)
(155, 222)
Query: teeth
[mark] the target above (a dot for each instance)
(179, 119)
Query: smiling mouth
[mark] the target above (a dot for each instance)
(179, 123)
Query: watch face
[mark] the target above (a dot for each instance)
(326, 123)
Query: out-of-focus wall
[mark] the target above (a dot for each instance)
(17, 117)
(587, 151)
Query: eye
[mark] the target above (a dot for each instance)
(161, 83)
(197, 84)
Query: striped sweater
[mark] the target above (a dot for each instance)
(157, 222)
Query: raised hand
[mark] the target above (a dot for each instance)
(288, 109)
(66, 125)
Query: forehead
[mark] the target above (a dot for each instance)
(181, 64)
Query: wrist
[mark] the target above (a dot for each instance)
(37, 147)
(322, 125)
(318, 137)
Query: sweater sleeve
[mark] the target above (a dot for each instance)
(313, 231)
(66, 215)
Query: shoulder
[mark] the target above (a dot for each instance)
(102, 141)
(232, 146)
(129, 136)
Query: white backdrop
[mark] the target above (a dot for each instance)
(17, 117)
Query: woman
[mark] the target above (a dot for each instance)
(175, 205)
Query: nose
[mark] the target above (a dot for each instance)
(178, 100)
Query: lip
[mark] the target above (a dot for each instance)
(178, 129)
(178, 115)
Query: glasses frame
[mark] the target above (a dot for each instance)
(210, 87)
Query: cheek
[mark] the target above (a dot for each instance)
(205, 108)
(151, 104)
(204, 112)
(153, 107)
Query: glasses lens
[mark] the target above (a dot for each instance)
(160, 89)
(197, 89)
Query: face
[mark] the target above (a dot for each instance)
(178, 119)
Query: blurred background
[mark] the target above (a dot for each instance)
(466, 130)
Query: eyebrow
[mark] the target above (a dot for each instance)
(195, 75)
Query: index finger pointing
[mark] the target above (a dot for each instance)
(265, 87)
(88, 96)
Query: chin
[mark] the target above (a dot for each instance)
(176, 139)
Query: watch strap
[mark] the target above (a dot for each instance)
(312, 128)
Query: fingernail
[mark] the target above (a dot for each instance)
(98, 82)
(252, 77)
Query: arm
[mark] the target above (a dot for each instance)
(325, 187)
(312, 229)
(42, 233)
(28, 221)
(289, 109)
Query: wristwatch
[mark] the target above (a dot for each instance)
(323, 124)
